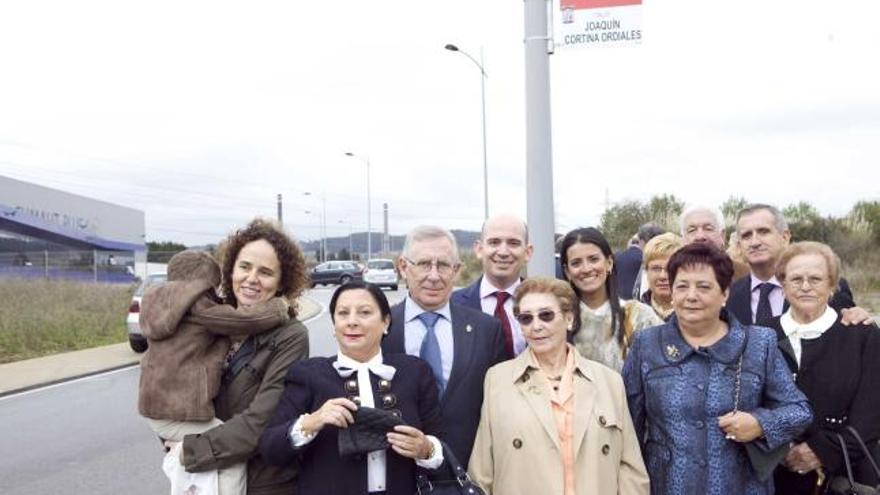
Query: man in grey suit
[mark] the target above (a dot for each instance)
(459, 343)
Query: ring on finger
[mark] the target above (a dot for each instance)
(730, 436)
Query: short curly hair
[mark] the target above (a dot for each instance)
(294, 273)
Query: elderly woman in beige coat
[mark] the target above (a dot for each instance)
(553, 421)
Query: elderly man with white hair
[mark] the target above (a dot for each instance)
(705, 224)
(459, 343)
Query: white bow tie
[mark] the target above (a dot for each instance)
(381, 370)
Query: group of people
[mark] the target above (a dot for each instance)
(535, 385)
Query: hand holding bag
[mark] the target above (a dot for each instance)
(847, 485)
(763, 462)
(461, 485)
(368, 431)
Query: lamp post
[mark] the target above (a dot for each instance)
(322, 248)
(369, 212)
(323, 222)
(350, 243)
(483, 77)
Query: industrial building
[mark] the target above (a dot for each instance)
(46, 232)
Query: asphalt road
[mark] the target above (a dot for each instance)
(85, 436)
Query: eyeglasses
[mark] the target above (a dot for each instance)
(656, 269)
(424, 267)
(798, 281)
(526, 319)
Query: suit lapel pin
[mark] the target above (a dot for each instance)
(672, 351)
(468, 328)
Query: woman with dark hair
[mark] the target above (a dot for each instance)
(704, 389)
(322, 396)
(258, 262)
(837, 367)
(605, 324)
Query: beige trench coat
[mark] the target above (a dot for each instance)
(517, 450)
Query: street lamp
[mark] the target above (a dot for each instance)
(350, 243)
(323, 222)
(321, 247)
(483, 77)
(369, 213)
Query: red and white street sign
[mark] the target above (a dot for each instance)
(593, 23)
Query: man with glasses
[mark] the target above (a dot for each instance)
(458, 343)
(503, 250)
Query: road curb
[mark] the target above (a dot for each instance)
(31, 374)
(64, 379)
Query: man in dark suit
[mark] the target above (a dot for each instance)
(763, 235)
(503, 250)
(458, 343)
(629, 261)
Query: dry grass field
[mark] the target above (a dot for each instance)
(41, 317)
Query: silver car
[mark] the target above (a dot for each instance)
(381, 272)
(136, 339)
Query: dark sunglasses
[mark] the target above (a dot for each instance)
(526, 319)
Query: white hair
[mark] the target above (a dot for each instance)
(426, 233)
(690, 210)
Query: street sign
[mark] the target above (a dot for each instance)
(597, 23)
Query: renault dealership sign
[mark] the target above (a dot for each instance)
(591, 23)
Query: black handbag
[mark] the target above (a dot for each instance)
(368, 432)
(847, 485)
(763, 462)
(460, 485)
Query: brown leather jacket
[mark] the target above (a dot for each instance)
(189, 335)
(246, 402)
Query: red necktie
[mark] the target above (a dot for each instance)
(502, 296)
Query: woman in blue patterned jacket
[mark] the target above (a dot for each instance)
(702, 386)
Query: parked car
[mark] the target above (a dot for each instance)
(335, 272)
(136, 339)
(382, 273)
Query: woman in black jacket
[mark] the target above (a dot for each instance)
(836, 367)
(321, 396)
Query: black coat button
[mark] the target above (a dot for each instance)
(605, 449)
(602, 420)
(517, 443)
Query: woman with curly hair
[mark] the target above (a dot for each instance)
(258, 262)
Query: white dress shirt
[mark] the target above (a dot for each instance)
(489, 302)
(376, 460)
(808, 331)
(414, 332)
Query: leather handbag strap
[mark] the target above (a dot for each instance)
(424, 485)
(865, 450)
(846, 461)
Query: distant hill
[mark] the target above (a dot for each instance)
(465, 239)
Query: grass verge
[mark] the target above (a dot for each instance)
(42, 317)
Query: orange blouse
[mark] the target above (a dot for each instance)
(562, 403)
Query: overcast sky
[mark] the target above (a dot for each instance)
(199, 113)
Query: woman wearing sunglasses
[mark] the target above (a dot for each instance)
(553, 421)
(605, 324)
